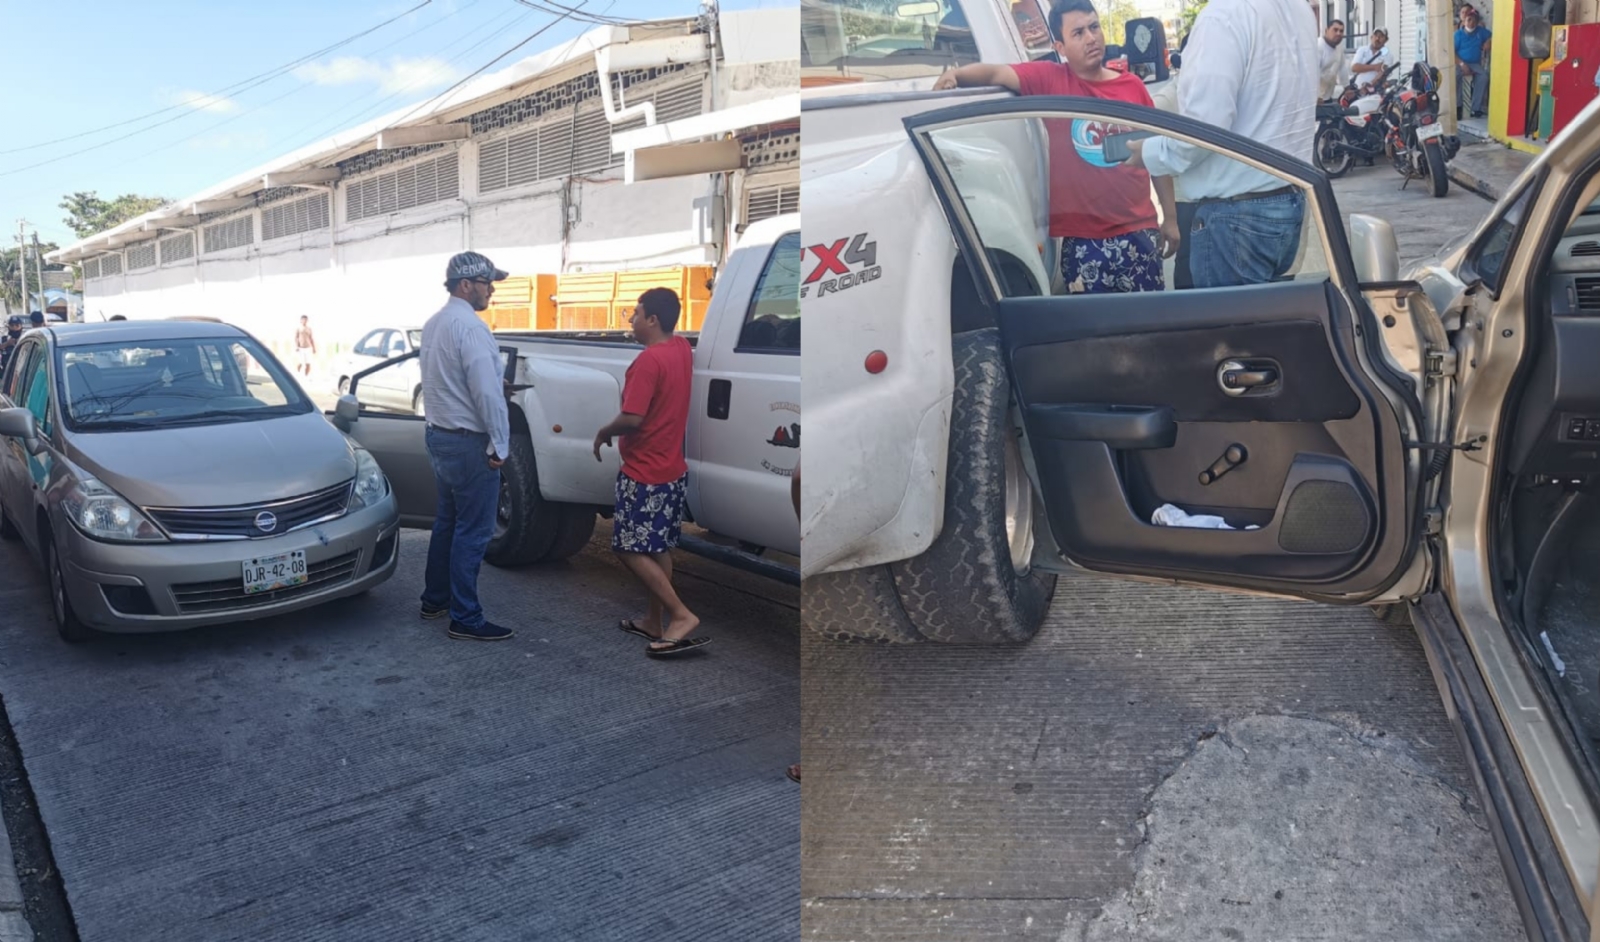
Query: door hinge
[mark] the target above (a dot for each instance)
(1440, 363)
(1432, 521)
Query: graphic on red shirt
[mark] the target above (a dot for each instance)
(1089, 197)
(657, 387)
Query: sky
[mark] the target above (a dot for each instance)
(200, 92)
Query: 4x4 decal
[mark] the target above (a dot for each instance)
(840, 259)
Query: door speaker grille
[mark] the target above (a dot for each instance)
(1323, 517)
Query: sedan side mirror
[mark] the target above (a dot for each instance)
(346, 411)
(20, 423)
(1376, 251)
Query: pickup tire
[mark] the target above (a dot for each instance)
(965, 588)
(856, 605)
(528, 524)
(574, 533)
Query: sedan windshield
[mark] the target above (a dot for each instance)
(200, 381)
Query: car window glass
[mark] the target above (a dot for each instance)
(18, 369)
(37, 398)
(415, 336)
(1488, 257)
(849, 41)
(397, 343)
(772, 324)
(368, 345)
(179, 382)
(1031, 17)
(1057, 210)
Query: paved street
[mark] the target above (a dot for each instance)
(1157, 764)
(352, 774)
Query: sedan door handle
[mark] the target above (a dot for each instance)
(1237, 378)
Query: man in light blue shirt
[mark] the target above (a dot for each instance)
(469, 438)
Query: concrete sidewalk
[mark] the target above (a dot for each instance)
(1488, 168)
(13, 924)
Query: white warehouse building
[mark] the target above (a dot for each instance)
(642, 149)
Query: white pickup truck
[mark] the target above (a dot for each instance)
(744, 420)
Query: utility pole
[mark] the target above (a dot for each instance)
(38, 268)
(1442, 55)
(22, 261)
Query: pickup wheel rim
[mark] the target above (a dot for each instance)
(1019, 509)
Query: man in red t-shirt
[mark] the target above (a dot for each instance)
(1111, 238)
(651, 485)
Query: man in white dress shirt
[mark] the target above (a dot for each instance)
(1251, 68)
(1331, 49)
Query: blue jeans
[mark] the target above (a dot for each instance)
(1245, 242)
(469, 492)
(1478, 72)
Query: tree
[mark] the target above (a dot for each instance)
(1114, 18)
(1190, 11)
(11, 278)
(89, 214)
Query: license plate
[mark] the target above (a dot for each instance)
(1428, 132)
(270, 573)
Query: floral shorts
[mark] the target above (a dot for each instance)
(1128, 262)
(648, 517)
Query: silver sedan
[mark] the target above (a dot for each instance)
(163, 487)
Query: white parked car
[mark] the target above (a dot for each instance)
(397, 389)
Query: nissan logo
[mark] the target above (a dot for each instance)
(266, 522)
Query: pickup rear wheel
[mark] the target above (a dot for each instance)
(526, 524)
(574, 533)
(974, 585)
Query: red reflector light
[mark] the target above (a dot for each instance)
(877, 361)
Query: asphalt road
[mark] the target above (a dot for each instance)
(1157, 764)
(351, 773)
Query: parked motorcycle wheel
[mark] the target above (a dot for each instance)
(1436, 171)
(1330, 154)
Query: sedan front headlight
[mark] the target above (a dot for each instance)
(103, 514)
(371, 485)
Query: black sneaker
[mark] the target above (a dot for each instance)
(487, 631)
(428, 611)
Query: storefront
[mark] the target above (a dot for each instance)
(1540, 75)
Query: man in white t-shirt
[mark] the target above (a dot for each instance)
(1331, 58)
(1372, 60)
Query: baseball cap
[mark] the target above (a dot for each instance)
(14, 320)
(36, 317)
(473, 265)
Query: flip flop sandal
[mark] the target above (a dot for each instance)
(678, 646)
(632, 628)
(793, 772)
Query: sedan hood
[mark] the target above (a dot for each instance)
(217, 465)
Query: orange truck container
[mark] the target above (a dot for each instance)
(594, 300)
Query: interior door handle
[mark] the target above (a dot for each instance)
(1236, 378)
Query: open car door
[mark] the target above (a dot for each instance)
(399, 441)
(1271, 405)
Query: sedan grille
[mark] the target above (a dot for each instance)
(239, 523)
(227, 595)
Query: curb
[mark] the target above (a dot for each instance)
(1472, 182)
(13, 924)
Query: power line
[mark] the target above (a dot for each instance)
(297, 88)
(338, 116)
(599, 19)
(483, 68)
(242, 85)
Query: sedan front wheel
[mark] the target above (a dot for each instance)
(68, 626)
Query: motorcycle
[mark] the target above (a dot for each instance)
(1355, 125)
(1417, 144)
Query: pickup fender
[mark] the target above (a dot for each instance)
(579, 400)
